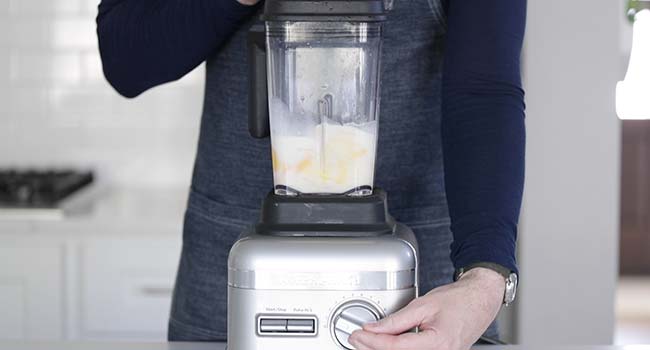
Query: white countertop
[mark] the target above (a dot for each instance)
(222, 346)
(102, 210)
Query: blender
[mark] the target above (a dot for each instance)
(325, 257)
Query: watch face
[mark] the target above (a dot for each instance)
(511, 289)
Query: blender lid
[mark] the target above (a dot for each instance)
(325, 10)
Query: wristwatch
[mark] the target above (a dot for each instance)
(511, 278)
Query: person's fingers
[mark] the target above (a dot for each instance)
(357, 345)
(412, 315)
(363, 340)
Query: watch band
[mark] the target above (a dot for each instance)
(501, 270)
(510, 278)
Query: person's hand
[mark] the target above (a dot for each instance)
(248, 2)
(451, 317)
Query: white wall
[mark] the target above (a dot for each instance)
(56, 108)
(569, 228)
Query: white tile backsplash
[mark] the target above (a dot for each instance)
(4, 70)
(4, 7)
(56, 108)
(89, 7)
(4, 31)
(42, 67)
(28, 32)
(74, 33)
(31, 7)
(26, 104)
(91, 67)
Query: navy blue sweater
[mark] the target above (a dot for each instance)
(145, 43)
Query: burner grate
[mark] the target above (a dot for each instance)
(39, 189)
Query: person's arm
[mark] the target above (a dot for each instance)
(145, 43)
(483, 130)
(483, 144)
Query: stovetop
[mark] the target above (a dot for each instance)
(38, 189)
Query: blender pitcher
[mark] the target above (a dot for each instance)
(323, 104)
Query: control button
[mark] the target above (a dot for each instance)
(272, 325)
(300, 326)
(350, 317)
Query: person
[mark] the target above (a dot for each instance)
(451, 151)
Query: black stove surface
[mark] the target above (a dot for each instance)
(39, 188)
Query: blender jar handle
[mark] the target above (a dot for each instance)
(258, 104)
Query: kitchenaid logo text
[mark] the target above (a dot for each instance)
(349, 280)
(312, 280)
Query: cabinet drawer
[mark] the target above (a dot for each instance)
(126, 287)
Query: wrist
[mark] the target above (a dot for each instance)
(482, 273)
(490, 281)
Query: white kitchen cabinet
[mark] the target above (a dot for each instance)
(66, 287)
(105, 272)
(126, 287)
(31, 290)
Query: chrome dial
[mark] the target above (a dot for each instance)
(352, 316)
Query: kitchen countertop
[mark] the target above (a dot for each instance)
(109, 210)
(222, 346)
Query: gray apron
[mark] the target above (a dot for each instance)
(233, 171)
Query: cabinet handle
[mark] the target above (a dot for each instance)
(157, 291)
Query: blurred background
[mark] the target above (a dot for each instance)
(101, 264)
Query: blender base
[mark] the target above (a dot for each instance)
(315, 269)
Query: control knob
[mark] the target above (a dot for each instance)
(352, 316)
